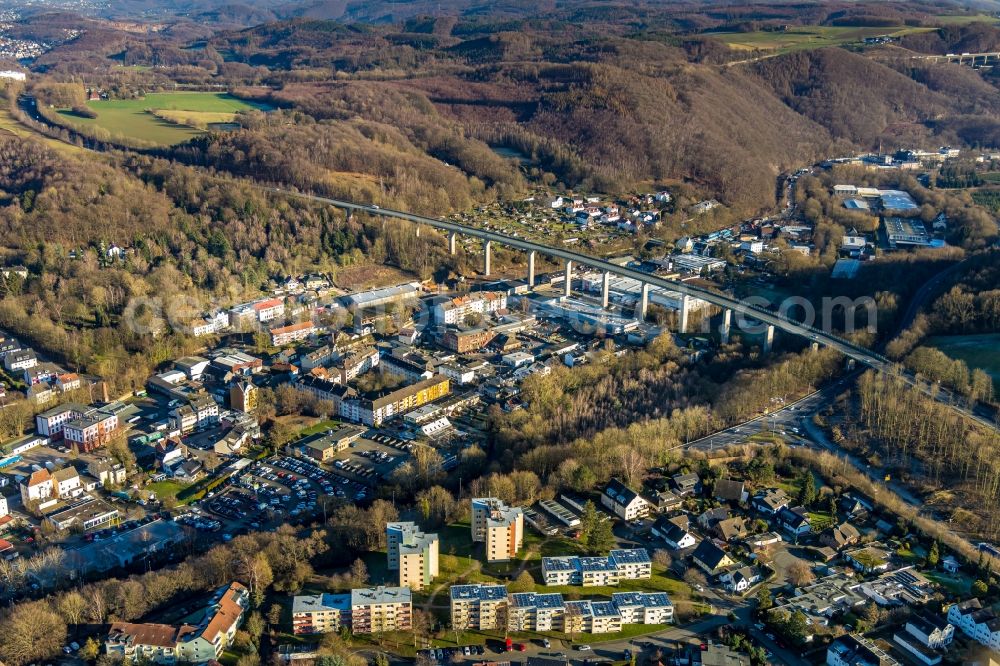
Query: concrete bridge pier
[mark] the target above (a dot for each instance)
(683, 315)
(769, 338)
(531, 269)
(727, 322)
(606, 289)
(644, 302)
(452, 242)
(569, 279)
(487, 257)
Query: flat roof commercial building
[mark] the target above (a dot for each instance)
(904, 231)
(325, 445)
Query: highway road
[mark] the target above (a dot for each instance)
(780, 321)
(741, 308)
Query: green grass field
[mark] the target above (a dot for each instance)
(802, 38)
(319, 427)
(978, 351)
(168, 488)
(130, 120)
(959, 19)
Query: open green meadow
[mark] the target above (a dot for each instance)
(803, 38)
(136, 121)
(978, 351)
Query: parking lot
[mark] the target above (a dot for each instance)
(331, 483)
(447, 655)
(368, 460)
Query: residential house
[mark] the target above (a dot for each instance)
(840, 536)
(107, 471)
(66, 483)
(950, 564)
(770, 501)
(623, 501)
(742, 579)
(201, 411)
(170, 452)
(795, 520)
(39, 487)
(41, 374)
(826, 597)
(675, 536)
(710, 517)
(622, 564)
(686, 484)
(710, 558)
(855, 503)
(455, 311)
(210, 324)
(732, 528)
(374, 411)
(855, 650)
(8, 346)
(358, 362)
(269, 309)
(187, 471)
(20, 360)
(664, 501)
(316, 358)
(729, 490)
(869, 559)
(216, 630)
(68, 381)
(244, 396)
(980, 624)
(924, 638)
